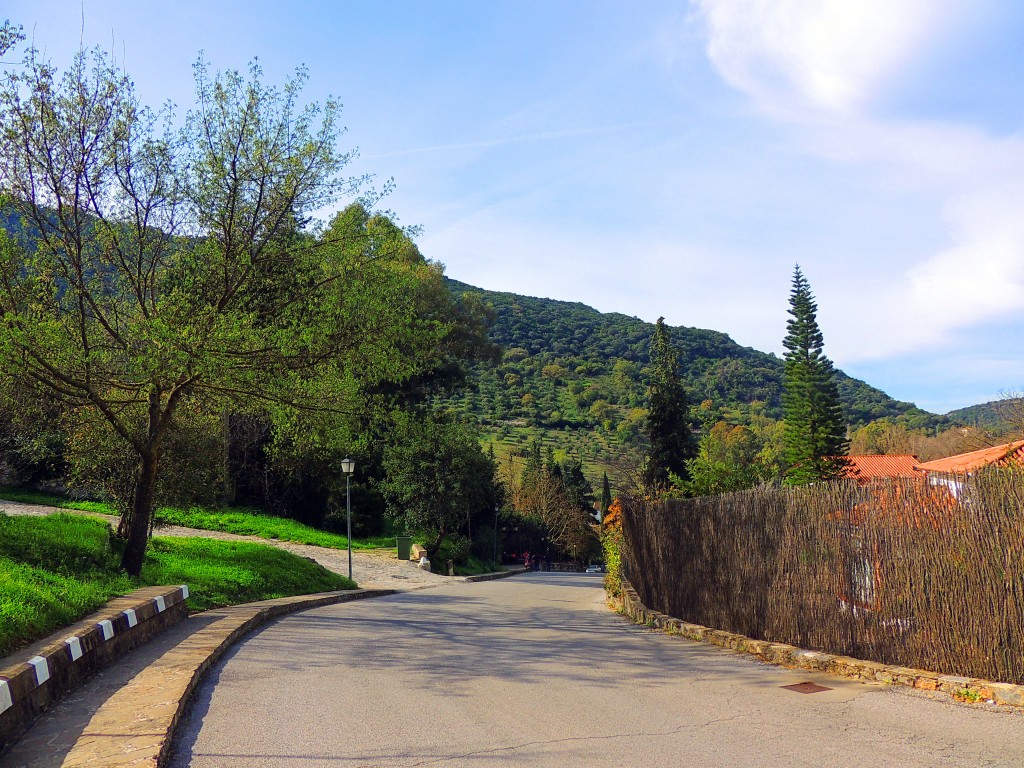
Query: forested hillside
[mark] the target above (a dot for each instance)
(999, 416)
(576, 377)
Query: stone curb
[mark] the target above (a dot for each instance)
(35, 677)
(785, 655)
(135, 726)
(497, 574)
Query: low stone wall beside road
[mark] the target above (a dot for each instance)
(965, 688)
(36, 677)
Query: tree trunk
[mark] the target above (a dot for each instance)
(435, 547)
(142, 510)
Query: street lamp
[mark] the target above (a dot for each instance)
(497, 509)
(348, 467)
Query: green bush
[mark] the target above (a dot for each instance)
(455, 548)
(611, 543)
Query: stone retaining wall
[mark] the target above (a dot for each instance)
(965, 688)
(34, 678)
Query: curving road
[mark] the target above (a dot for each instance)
(535, 671)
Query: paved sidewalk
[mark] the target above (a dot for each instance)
(124, 715)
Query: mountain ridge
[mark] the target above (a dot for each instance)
(714, 366)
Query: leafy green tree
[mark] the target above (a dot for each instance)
(155, 270)
(727, 460)
(886, 436)
(436, 476)
(10, 36)
(815, 431)
(577, 488)
(606, 493)
(668, 425)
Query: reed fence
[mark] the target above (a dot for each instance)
(903, 573)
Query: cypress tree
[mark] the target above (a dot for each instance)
(815, 430)
(606, 493)
(668, 423)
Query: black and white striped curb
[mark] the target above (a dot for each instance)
(21, 677)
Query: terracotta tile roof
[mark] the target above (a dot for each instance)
(873, 467)
(962, 463)
(904, 502)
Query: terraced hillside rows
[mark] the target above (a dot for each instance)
(575, 378)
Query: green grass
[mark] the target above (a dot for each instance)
(52, 500)
(54, 570)
(231, 572)
(254, 523)
(237, 520)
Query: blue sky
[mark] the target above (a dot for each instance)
(667, 158)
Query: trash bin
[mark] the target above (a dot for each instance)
(404, 546)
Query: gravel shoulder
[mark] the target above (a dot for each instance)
(379, 569)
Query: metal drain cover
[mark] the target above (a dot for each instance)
(807, 687)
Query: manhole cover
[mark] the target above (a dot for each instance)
(806, 688)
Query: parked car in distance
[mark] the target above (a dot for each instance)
(595, 569)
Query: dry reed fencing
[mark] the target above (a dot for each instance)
(902, 573)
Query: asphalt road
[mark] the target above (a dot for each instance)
(535, 671)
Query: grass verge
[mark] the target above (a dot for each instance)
(254, 523)
(53, 500)
(54, 570)
(475, 566)
(237, 520)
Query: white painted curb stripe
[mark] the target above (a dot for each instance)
(6, 702)
(184, 591)
(132, 618)
(42, 669)
(107, 629)
(161, 606)
(75, 648)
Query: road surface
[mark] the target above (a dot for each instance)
(535, 671)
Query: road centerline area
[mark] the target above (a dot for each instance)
(535, 671)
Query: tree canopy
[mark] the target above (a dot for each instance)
(436, 477)
(153, 275)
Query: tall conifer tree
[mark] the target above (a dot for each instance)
(668, 424)
(815, 431)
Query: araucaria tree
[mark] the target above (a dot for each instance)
(815, 431)
(152, 273)
(668, 422)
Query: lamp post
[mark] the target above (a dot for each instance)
(348, 467)
(497, 509)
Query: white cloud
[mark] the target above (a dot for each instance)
(822, 53)
(814, 67)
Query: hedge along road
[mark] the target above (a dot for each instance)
(536, 671)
